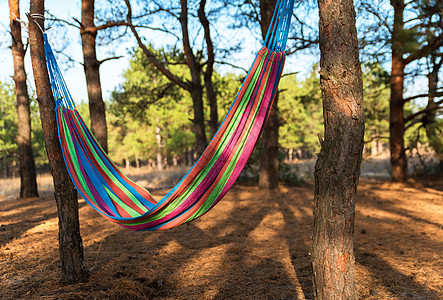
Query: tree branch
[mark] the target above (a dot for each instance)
(109, 58)
(436, 43)
(150, 56)
(423, 111)
(55, 19)
(437, 94)
(231, 65)
(189, 54)
(289, 74)
(111, 24)
(374, 12)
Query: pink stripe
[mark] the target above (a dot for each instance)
(225, 154)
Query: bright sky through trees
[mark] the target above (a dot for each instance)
(111, 71)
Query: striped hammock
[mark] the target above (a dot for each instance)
(119, 199)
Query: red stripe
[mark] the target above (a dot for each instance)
(116, 189)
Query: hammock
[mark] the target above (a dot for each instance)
(119, 199)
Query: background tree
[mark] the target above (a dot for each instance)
(300, 115)
(111, 27)
(432, 11)
(268, 176)
(148, 106)
(9, 158)
(434, 125)
(406, 31)
(71, 248)
(338, 165)
(376, 98)
(302, 36)
(193, 59)
(97, 108)
(8, 128)
(28, 180)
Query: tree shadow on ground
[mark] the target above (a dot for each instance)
(234, 252)
(390, 206)
(195, 261)
(298, 241)
(36, 210)
(192, 244)
(399, 285)
(391, 241)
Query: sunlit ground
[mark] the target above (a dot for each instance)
(252, 245)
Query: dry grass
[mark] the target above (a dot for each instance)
(253, 245)
(10, 187)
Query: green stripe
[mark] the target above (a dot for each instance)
(225, 139)
(73, 155)
(107, 171)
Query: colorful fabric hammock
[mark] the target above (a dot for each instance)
(116, 197)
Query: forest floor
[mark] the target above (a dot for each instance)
(254, 244)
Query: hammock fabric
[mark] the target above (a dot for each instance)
(119, 199)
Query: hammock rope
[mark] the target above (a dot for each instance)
(116, 197)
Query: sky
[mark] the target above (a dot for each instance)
(111, 71)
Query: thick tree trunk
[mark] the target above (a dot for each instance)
(28, 181)
(268, 174)
(338, 165)
(399, 168)
(97, 108)
(71, 248)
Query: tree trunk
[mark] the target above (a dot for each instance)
(396, 114)
(209, 86)
(433, 131)
(195, 87)
(338, 165)
(374, 148)
(28, 181)
(5, 164)
(159, 148)
(268, 174)
(71, 248)
(199, 121)
(97, 108)
(212, 100)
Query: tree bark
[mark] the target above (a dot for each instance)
(207, 75)
(433, 132)
(158, 137)
(269, 165)
(198, 122)
(338, 165)
(71, 248)
(97, 108)
(396, 115)
(196, 88)
(28, 181)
